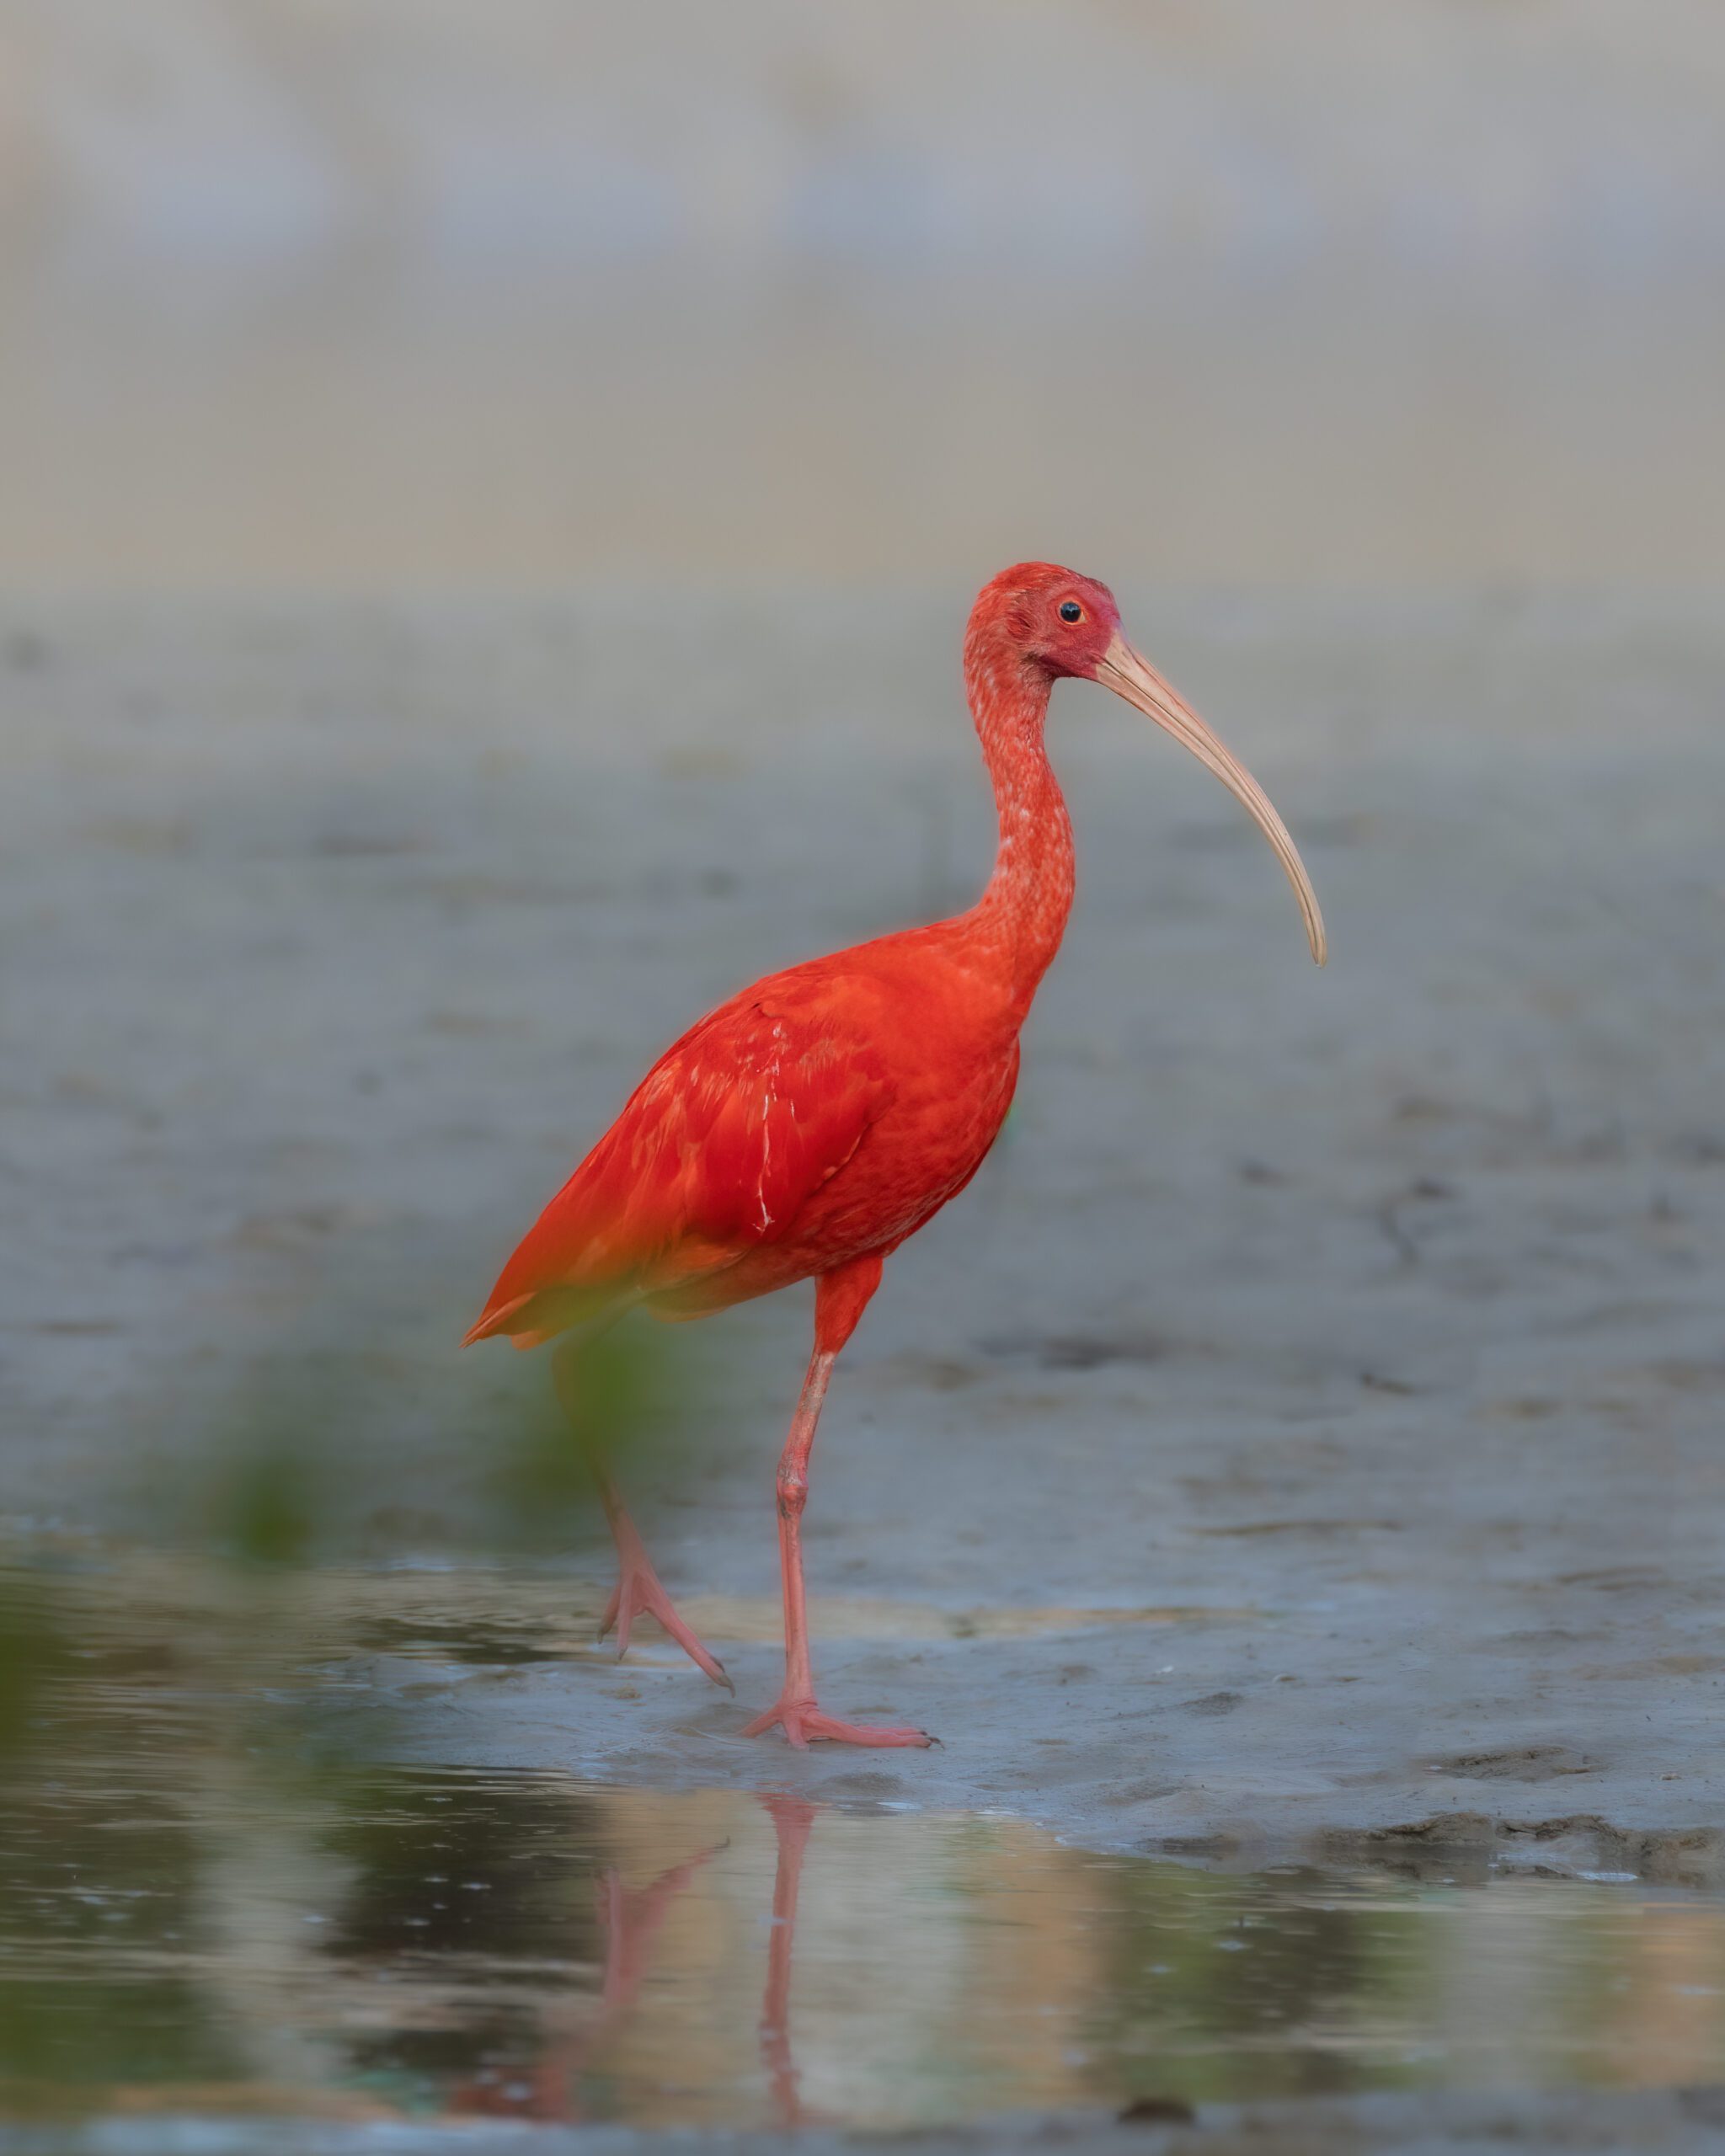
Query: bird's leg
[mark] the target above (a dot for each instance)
(639, 1592)
(840, 1297)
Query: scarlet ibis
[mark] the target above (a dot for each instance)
(808, 1127)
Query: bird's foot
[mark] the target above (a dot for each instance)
(638, 1593)
(803, 1724)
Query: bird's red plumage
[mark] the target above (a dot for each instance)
(826, 1113)
(819, 1114)
(714, 1156)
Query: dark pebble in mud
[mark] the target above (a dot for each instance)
(1213, 1702)
(1528, 1763)
(1156, 2111)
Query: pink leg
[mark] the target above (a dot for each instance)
(839, 1298)
(639, 1592)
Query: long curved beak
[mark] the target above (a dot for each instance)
(1121, 670)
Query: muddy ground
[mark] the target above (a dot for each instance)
(1651, 2122)
(1356, 1339)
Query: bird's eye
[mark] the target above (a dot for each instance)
(1071, 610)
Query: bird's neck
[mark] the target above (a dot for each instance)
(1015, 929)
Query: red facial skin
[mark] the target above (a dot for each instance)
(1021, 607)
(810, 1124)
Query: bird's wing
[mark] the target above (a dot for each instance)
(715, 1153)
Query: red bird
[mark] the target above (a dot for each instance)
(808, 1127)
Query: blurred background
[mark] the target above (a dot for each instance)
(491, 492)
(370, 293)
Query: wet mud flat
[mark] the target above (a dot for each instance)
(229, 1917)
(1299, 1450)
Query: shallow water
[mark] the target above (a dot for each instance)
(214, 1895)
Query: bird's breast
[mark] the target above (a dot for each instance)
(944, 1052)
(946, 1113)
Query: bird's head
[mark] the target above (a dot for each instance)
(1058, 622)
(1055, 622)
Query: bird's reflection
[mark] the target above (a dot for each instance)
(793, 1822)
(631, 1921)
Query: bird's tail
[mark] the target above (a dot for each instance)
(509, 1317)
(530, 1320)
